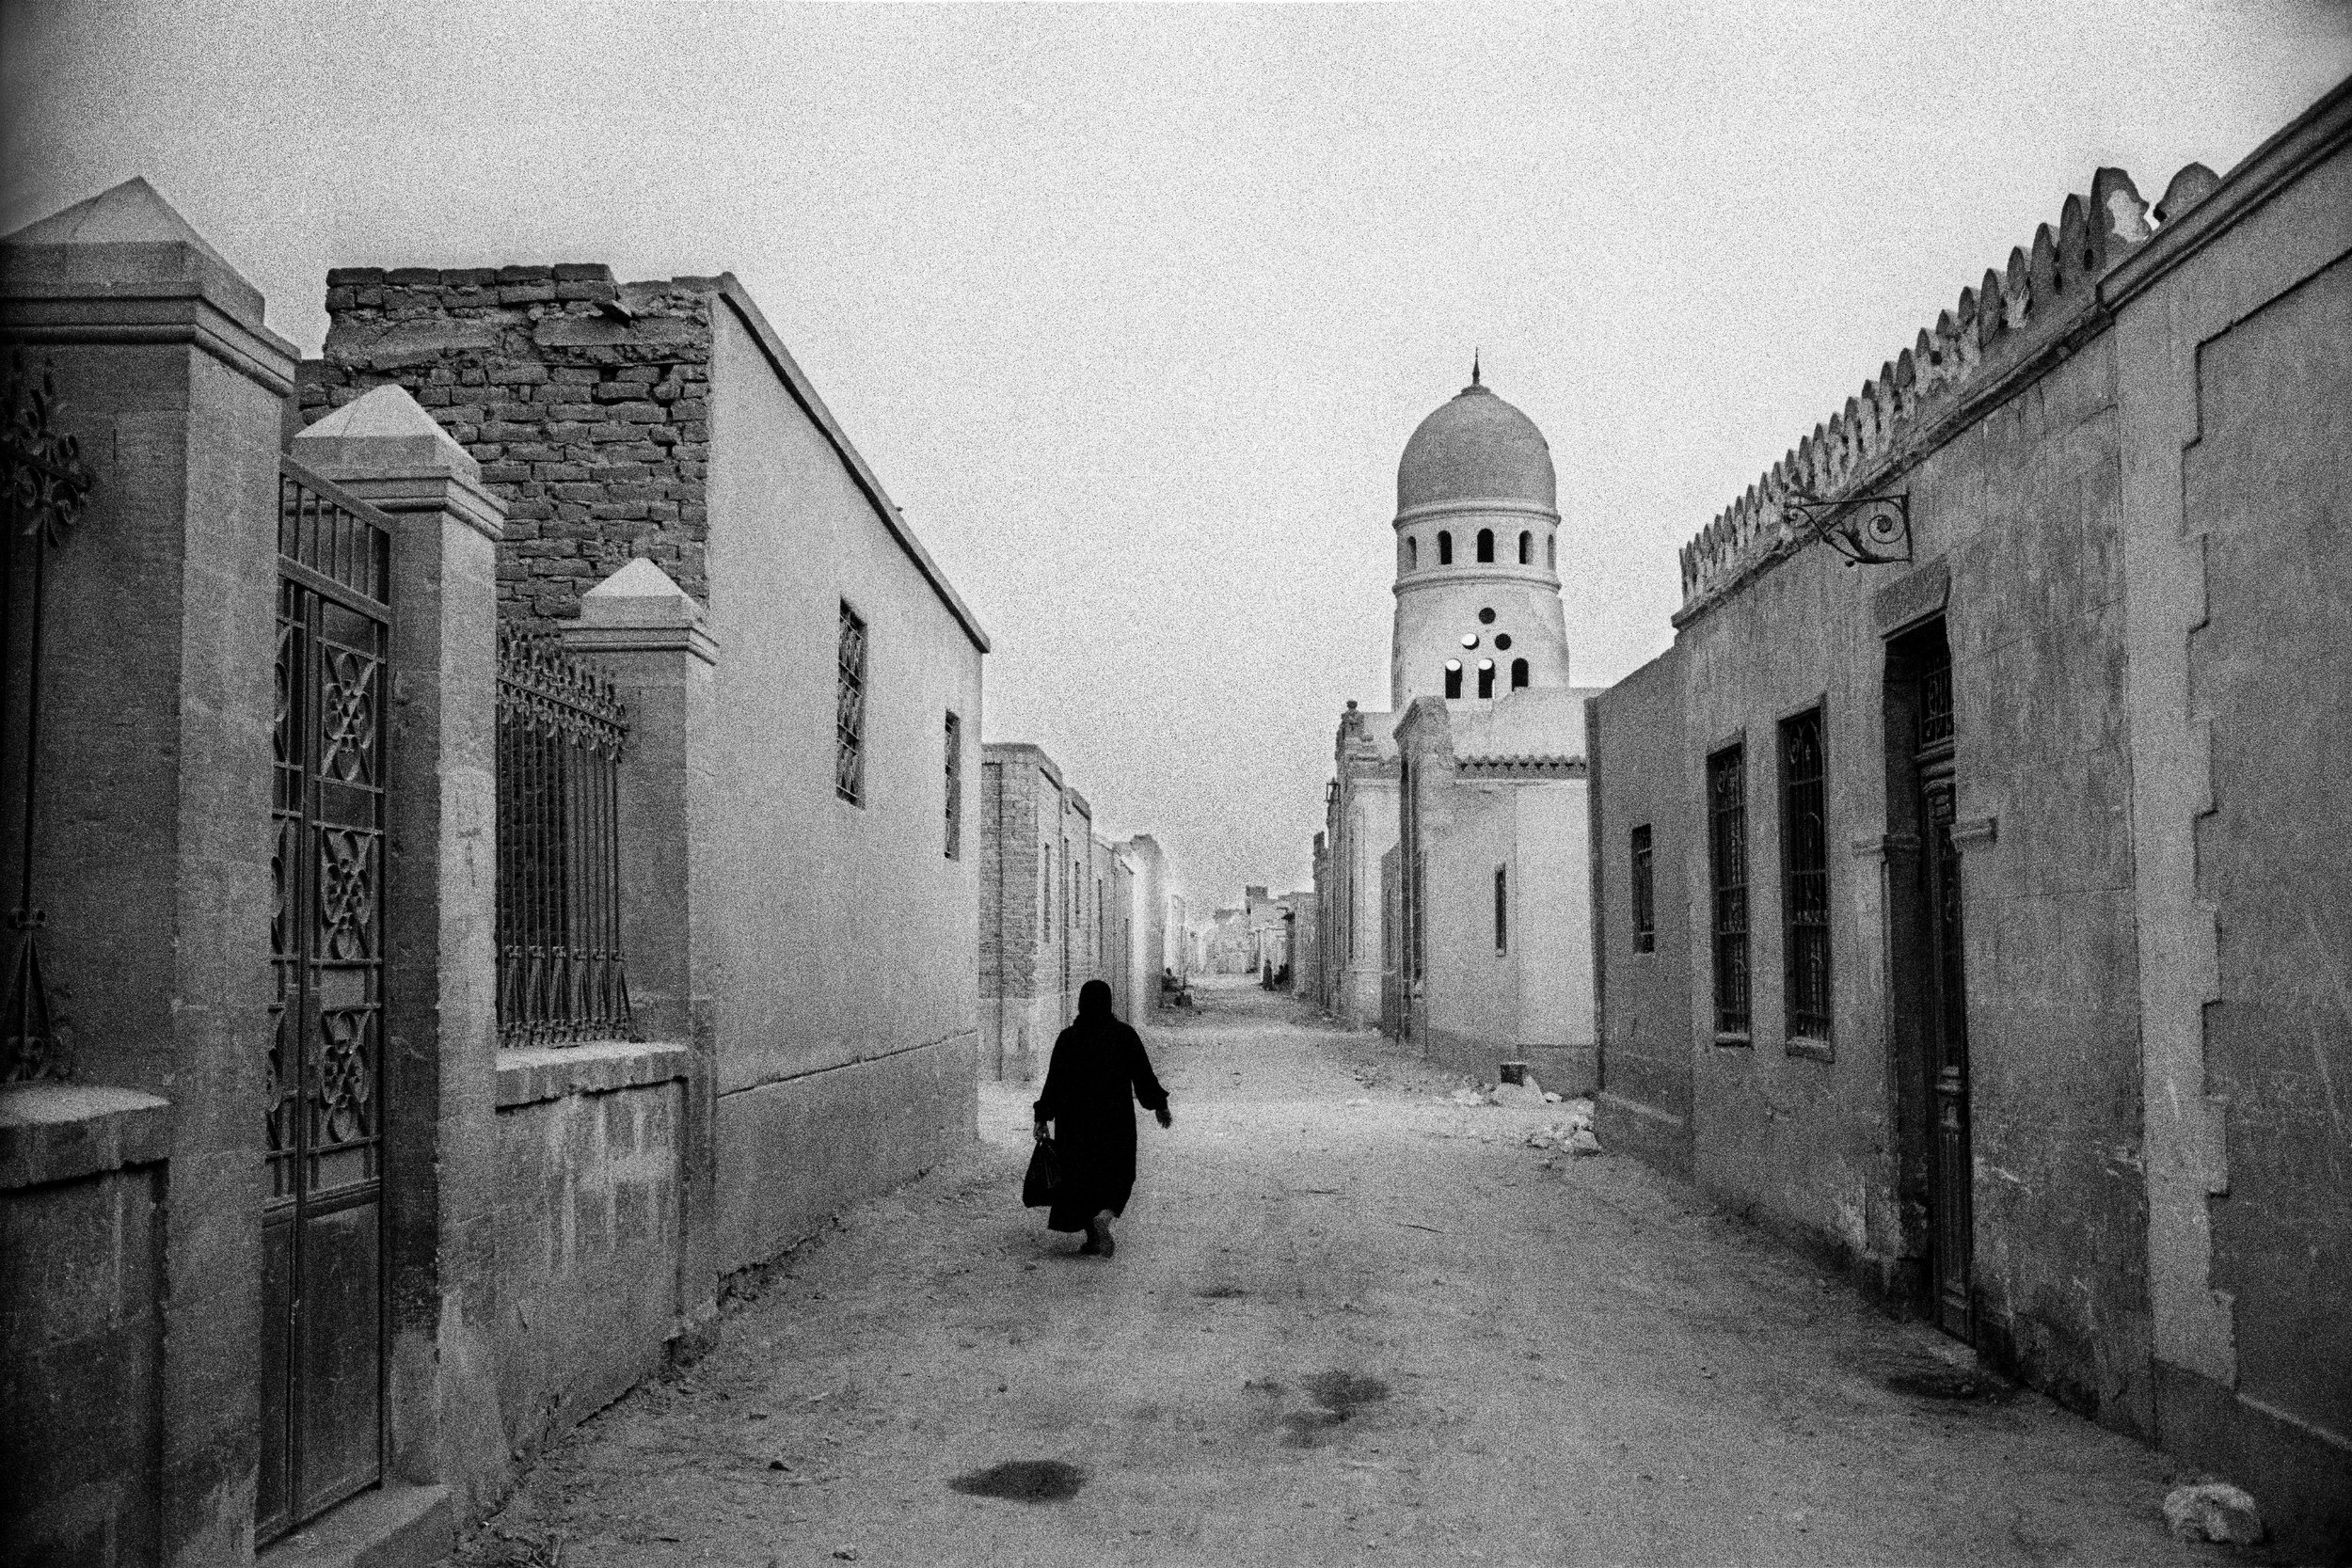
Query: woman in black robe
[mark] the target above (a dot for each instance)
(1097, 1074)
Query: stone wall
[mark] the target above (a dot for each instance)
(588, 1228)
(1643, 994)
(82, 1188)
(2233, 377)
(1022, 1002)
(586, 401)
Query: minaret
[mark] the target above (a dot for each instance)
(1478, 611)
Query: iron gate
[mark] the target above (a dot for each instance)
(321, 1221)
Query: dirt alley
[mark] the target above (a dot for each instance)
(1346, 1323)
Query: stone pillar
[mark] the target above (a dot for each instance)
(152, 850)
(646, 632)
(440, 1067)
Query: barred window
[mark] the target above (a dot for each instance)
(1804, 876)
(1503, 910)
(955, 788)
(1727, 843)
(848, 725)
(1644, 895)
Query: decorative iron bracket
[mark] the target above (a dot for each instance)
(1867, 530)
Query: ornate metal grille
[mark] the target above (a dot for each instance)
(1935, 696)
(1644, 895)
(849, 758)
(1727, 813)
(1805, 864)
(43, 483)
(955, 787)
(560, 730)
(322, 1116)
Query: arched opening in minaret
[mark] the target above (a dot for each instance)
(1445, 548)
(1551, 551)
(1412, 552)
(1518, 673)
(1453, 677)
(1527, 548)
(1485, 545)
(1486, 678)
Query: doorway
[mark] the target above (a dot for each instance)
(1930, 971)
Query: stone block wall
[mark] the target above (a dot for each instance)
(81, 1320)
(588, 1144)
(585, 400)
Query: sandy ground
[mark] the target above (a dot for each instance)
(1346, 1323)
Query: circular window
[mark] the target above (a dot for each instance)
(1485, 664)
(1502, 639)
(1470, 641)
(1486, 617)
(1453, 664)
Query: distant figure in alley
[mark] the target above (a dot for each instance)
(1099, 1070)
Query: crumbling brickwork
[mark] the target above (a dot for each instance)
(585, 401)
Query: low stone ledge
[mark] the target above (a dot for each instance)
(63, 1131)
(593, 1066)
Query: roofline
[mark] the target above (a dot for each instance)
(805, 393)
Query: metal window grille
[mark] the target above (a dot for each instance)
(849, 756)
(1804, 875)
(560, 733)
(1644, 895)
(1727, 824)
(955, 787)
(1935, 697)
(1503, 910)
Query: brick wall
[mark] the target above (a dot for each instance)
(585, 401)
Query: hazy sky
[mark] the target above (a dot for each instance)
(1133, 307)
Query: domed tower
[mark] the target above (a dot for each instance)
(1478, 611)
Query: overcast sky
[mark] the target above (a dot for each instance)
(1133, 307)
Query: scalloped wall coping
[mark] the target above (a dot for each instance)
(2001, 329)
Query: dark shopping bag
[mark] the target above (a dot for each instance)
(1037, 1188)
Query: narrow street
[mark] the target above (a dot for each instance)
(1348, 1320)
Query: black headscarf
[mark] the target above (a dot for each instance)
(1094, 1003)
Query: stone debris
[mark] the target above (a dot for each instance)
(1469, 1095)
(1526, 1094)
(1572, 1135)
(2212, 1510)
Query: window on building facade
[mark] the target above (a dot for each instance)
(1486, 545)
(955, 788)
(1486, 678)
(1454, 678)
(1503, 910)
(1527, 547)
(849, 756)
(1727, 856)
(1551, 550)
(1644, 895)
(1445, 548)
(1046, 894)
(1519, 672)
(1412, 552)
(1804, 876)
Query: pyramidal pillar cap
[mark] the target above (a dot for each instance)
(639, 609)
(388, 452)
(128, 244)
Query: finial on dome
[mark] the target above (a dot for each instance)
(1473, 367)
